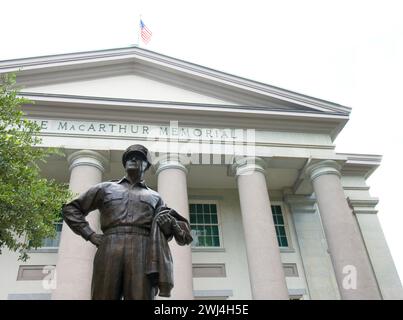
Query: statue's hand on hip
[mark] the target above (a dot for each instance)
(96, 239)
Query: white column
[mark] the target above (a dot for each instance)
(265, 267)
(172, 187)
(75, 258)
(354, 274)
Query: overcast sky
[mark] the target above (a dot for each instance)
(348, 52)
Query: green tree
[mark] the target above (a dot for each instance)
(29, 204)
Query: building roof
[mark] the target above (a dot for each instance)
(212, 89)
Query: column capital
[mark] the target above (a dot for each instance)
(248, 165)
(87, 158)
(169, 161)
(323, 167)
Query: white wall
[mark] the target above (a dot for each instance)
(9, 265)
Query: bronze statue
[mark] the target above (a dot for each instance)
(133, 260)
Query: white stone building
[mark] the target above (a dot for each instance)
(275, 211)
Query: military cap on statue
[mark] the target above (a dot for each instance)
(139, 149)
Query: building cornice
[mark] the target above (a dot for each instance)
(167, 104)
(360, 164)
(241, 116)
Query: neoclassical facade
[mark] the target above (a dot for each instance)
(275, 212)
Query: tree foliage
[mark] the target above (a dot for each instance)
(29, 203)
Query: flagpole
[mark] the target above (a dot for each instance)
(138, 31)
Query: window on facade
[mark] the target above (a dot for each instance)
(35, 272)
(204, 224)
(279, 225)
(53, 242)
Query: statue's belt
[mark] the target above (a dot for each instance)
(127, 229)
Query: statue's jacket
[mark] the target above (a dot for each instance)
(159, 264)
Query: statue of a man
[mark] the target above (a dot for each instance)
(133, 260)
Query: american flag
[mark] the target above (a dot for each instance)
(145, 32)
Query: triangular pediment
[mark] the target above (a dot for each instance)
(128, 86)
(138, 74)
